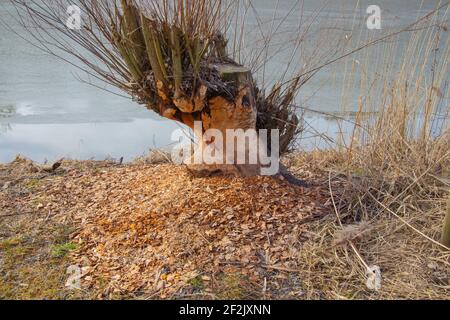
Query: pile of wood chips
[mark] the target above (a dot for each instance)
(152, 229)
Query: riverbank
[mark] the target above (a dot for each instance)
(149, 230)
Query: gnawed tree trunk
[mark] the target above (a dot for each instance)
(221, 113)
(445, 238)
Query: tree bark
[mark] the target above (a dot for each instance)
(445, 239)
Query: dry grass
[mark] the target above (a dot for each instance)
(32, 263)
(412, 266)
(388, 179)
(35, 242)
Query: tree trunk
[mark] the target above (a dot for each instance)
(446, 229)
(220, 113)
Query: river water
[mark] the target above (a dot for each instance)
(47, 113)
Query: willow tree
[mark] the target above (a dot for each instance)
(173, 57)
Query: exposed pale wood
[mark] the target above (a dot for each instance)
(222, 114)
